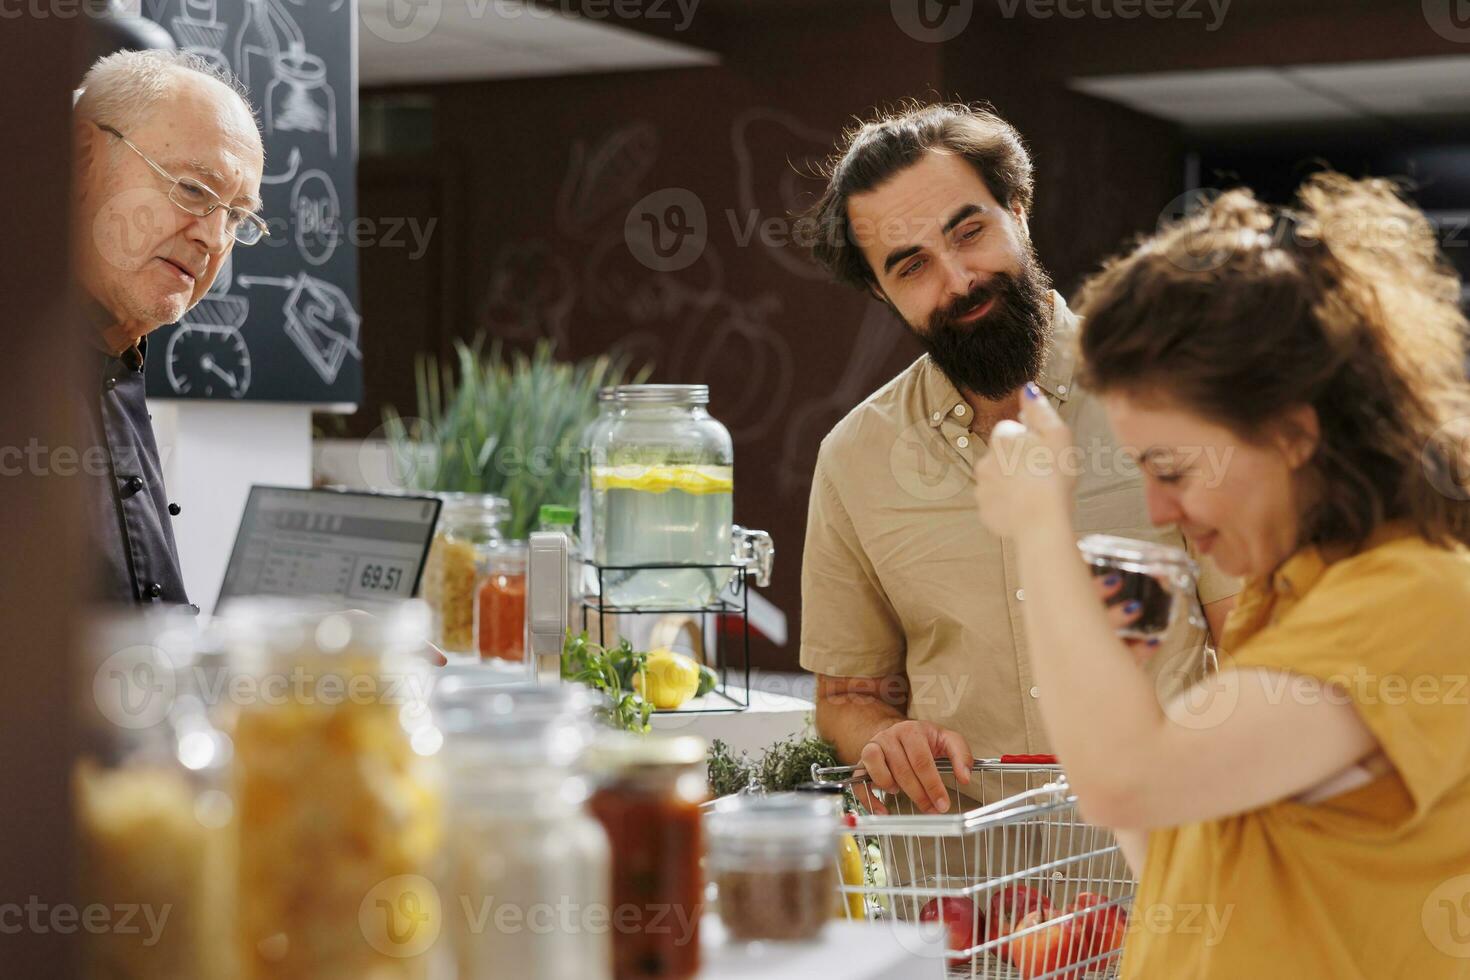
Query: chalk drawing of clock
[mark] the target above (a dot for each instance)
(212, 361)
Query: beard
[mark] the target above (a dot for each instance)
(1004, 349)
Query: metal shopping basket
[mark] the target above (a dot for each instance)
(1012, 842)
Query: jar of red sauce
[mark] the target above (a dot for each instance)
(648, 799)
(500, 602)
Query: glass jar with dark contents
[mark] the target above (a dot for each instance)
(1162, 579)
(774, 862)
(648, 800)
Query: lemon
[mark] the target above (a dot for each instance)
(661, 479)
(668, 680)
(850, 866)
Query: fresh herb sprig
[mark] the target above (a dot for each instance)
(610, 671)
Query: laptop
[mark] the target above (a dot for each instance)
(366, 549)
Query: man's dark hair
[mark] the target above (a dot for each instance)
(873, 151)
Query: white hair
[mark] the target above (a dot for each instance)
(122, 89)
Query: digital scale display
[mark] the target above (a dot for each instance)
(362, 547)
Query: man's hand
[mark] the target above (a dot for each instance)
(900, 757)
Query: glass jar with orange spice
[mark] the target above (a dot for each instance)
(469, 523)
(500, 601)
(648, 799)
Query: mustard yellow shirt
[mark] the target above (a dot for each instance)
(1373, 882)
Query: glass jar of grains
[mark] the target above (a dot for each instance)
(336, 790)
(470, 524)
(151, 802)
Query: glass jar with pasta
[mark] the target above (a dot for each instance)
(152, 814)
(336, 789)
(470, 524)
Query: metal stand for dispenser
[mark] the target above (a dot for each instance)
(734, 600)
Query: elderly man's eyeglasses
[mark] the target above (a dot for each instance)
(189, 195)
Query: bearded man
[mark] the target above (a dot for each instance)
(911, 609)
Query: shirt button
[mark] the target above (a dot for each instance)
(937, 416)
(154, 590)
(1061, 389)
(133, 485)
(1035, 692)
(110, 384)
(174, 509)
(962, 441)
(959, 410)
(1020, 595)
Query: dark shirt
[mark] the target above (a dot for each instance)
(131, 519)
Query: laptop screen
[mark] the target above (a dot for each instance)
(365, 548)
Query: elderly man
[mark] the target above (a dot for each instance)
(911, 610)
(168, 166)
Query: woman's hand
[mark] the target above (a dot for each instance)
(1027, 478)
(1124, 614)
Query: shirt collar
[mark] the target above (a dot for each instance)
(941, 397)
(1298, 574)
(97, 321)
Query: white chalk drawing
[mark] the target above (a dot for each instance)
(531, 294)
(299, 100)
(293, 166)
(745, 359)
(316, 213)
(320, 320)
(208, 353)
(616, 284)
(603, 179)
(799, 149)
(877, 336)
(198, 30)
(208, 360)
(268, 30)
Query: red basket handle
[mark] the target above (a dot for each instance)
(1031, 760)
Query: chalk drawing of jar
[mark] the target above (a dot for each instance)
(299, 100)
(267, 30)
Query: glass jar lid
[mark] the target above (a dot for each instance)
(635, 752)
(774, 825)
(663, 394)
(256, 628)
(462, 504)
(1133, 555)
(485, 720)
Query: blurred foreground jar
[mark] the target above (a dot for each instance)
(470, 526)
(336, 789)
(774, 862)
(526, 885)
(649, 791)
(152, 813)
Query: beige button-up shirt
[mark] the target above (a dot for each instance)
(900, 577)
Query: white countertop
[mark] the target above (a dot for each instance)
(844, 951)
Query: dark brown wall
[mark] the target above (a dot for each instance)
(537, 176)
(39, 576)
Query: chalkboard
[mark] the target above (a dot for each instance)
(281, 322)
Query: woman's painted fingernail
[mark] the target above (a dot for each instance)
(1032, 391)
(1153, 641)
(1112, 580)
(1132, 606)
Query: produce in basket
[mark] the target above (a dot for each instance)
(1103, 924)
(962, 921)
(850, 905)
(1008, 906)
(1048, 948)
